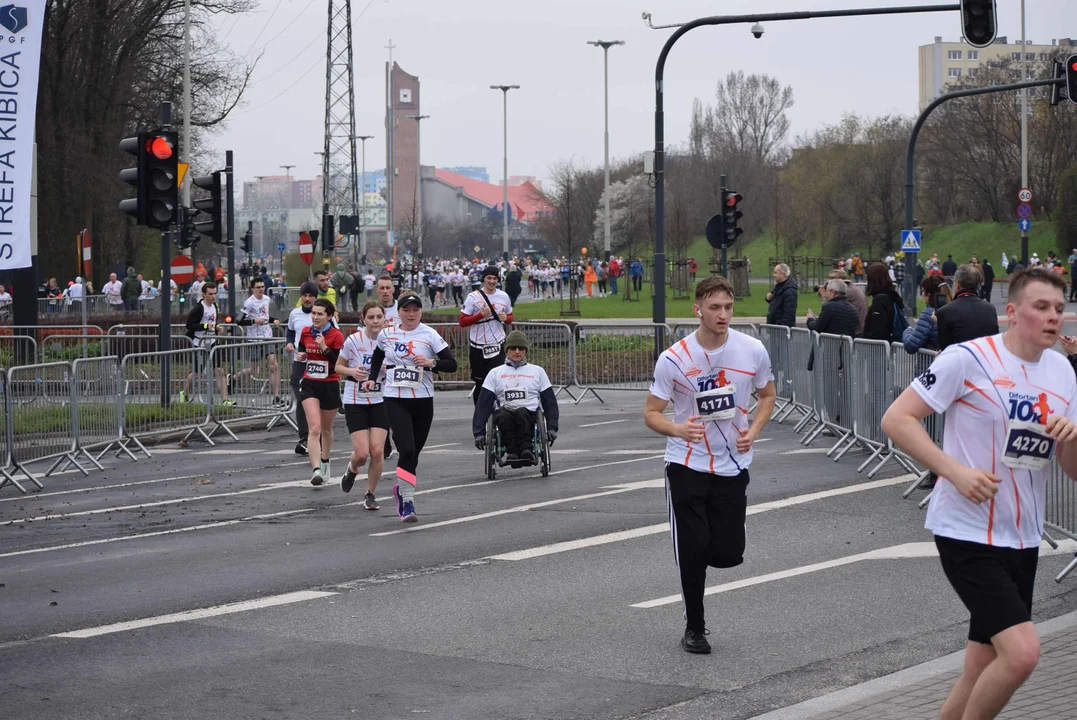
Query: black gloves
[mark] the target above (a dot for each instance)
(480, 442)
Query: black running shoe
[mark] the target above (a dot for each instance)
(369, 502)
(348, 480)
(695, 641)
(301, 449)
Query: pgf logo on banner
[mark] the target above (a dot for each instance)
(13, 18)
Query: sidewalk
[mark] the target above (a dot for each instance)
(917, 693)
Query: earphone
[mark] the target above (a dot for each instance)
(699, 314)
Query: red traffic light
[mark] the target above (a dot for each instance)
(1074, 67)
(159, 147)
(733, 199)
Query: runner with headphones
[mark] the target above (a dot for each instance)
(486, 313)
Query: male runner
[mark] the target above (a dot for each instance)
(259, 327)
(1010, 404)
(387, 297)
(709, 377)
(298, 319)
(486, 313)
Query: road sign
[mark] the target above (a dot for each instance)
(181, 172)
(1025, 224)
(281, 247)
(306, 248)
(1024, 195)
(910, 240)
(1024, 210)
(182, 269)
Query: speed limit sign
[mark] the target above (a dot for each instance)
(1024, 195)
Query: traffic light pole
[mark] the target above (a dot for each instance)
(231, 234)
(909, 286)
(164, 342)
(659, 307)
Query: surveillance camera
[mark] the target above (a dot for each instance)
(757, 30)
(646, 16)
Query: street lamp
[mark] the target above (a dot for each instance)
(419, 179)
(261, 211)
(505, 172)
(362, 202)
(606, 45)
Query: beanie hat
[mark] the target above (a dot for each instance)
(517, 339)
(308, 288)
(491, 270)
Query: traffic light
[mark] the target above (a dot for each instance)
(978, 22)
(211, 205)
(184, 236)
(1058, 72)
(155, 178)
(731, 216)
(246, 242)
(1071, 78)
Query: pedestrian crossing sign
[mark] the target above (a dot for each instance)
(910, 240)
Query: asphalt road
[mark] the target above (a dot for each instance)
(527, 597)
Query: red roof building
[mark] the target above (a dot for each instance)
(525, 199)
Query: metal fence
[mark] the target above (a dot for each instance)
(40, 416)
(618, 357)
(165, 392)
(247, 384)
(17, 350)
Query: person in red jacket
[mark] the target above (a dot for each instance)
(318, 349)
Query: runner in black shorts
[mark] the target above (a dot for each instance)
(319, 347)
(1010, 407)
(368, 423)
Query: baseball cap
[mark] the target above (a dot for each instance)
(408, 299)
(308, 288)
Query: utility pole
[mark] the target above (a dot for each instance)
(1024, 130)
(606, 45)
(419, 180)
(389, 169)
(261, 212)
(186, 99)
(230, 191)
(505, 169)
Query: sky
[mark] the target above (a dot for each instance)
(458, 48)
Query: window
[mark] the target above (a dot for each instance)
(955, 55)
(954, 72)
(1015, 56)
(973, 72)
(1045, 57)
(974, 54)
(1030, 56)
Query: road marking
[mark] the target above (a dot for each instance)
(613, 490)
(664, 527)
(577, 451)
(229, 451)
(432, 447)
(608, 422)
(633, 452)
(806, 451)
(201, 614)
(895, 552)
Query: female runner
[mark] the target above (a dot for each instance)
(409, 352)
(364, 411)
(319, 347)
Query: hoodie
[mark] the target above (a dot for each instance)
(131, 288)
(880, 322)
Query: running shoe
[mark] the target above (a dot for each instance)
(326, 474)
(228, 403)
(369, 502)
(695, 641)
(348, 480)
(407, 513)
(183, 397)
(317, 478)
(399, 501)
(301, 449)
(388, 450)
(278, 402)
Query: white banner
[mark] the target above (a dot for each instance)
(20, 59)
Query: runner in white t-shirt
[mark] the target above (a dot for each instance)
(486, 313)
(410, 353)
(369, 280)
(388, 304)
(709, 377)
(368, 424)
(259, 324)
(1010, 405)
(111, 291)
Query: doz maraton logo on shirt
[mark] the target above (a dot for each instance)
(13, 18)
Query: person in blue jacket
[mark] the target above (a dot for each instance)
(935, 293)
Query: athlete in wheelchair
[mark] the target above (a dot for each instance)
(515, 420)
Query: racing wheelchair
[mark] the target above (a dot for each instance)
(495, 450)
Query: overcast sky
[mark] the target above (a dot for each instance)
(458, 48)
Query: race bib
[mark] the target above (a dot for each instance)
(490, 351)
(317, 369)
(1028, 447)
(717, 404)
(516, 395)
(406, 377)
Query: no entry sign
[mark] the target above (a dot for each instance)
(306, 248)
(182, 269)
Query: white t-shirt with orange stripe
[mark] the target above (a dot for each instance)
(358, 351)
(490, 330)
(401, 347)
(981, 387)
(687, 369)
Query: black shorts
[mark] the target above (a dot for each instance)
(365, 417)
(994, 583)
(480, 366)
(202, 360)
(259, 351)
(326, 392)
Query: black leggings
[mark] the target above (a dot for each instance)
(409, 420)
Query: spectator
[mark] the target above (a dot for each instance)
(589, 278)
(949, 267)
(782, 298)
(75, 291)
(968, 317)
(1073, 275)
(935, 293)
(355, 286)
(341, 283)
(603, 272)
(615, 272)
(53, 293)
(5, 297)
(693, 267)
(111, 291)
(513, 285)
(886, 304)
(855, 296)
(838, 316)
(858, 268)
(636, 271)
(989, 279)
(368, 284)
(130, 290)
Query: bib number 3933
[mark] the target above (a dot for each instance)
(317, 369)
(407, 377)
(1027, 446)
(515, 395)
(717, 404)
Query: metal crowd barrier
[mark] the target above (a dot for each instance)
(1061, 510)
(17, 350)
(905, 368)
(872, 395)
(617, 357)
(251, 375)
(800, 352)
(5, 440)
(775, 339)
(833, 388)
(97, 408)
(152, 406)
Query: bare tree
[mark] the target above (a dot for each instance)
(573, 197)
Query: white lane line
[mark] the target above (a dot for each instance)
(618, 536)
(443, 445)
(615, 490)
(652, 451)
(608, 422)
(577, 451)
(229, 451)
(805, 451)
(895, 552)
(201, 614)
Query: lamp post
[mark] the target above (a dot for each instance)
(419, 180)
(261, 212)
(362, 198)
(606, 45)
(505, 170)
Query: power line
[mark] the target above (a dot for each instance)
(319, 36)
(268, 20)
(286, 89)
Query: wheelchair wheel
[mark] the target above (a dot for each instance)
(544, 444)
(490, 453)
